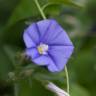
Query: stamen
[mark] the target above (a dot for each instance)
(42, 48)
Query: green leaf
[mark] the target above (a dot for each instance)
(10, 53)
(25, 9)
(84, 66)
(41, 73)
(5, 64)
(37, 89)
(8, 60)
(76, 90)
(61, 2)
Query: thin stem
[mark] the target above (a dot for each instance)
(39, 8)
(44, 17)
(67, 77)
(16, 90)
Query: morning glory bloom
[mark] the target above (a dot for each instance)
(47, 44)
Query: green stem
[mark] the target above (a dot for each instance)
(16, 90)
(67, 77)
(39, 8)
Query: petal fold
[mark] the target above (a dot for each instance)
(52, 33)
(66, 51)
(33, 33)
(28, 41)
(59, 61)
(60, 56)
(32, 53)
(42, 60)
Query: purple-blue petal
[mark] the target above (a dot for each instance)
(60, 39)
(43, 27)
(32, 53)
(60, 55)
(33, 33)
(46, 60)
(28, 41)
(53, 33)
(42, 60)
(59, 60)
(53, 67)
(65, 50)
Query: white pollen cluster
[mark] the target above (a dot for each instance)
(42, 48)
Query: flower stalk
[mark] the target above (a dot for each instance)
(66, 71)
(40, 9)
(67, 78)
(16, 89)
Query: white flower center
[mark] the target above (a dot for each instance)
(42, 48)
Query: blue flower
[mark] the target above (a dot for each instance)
(48, 44)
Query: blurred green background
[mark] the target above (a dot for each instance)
(77, 17)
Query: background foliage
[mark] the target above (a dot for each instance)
(78, 17)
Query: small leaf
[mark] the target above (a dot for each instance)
(5, 64)
(61, 2)
(37, 89)
(77, 90)
(25, 9)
